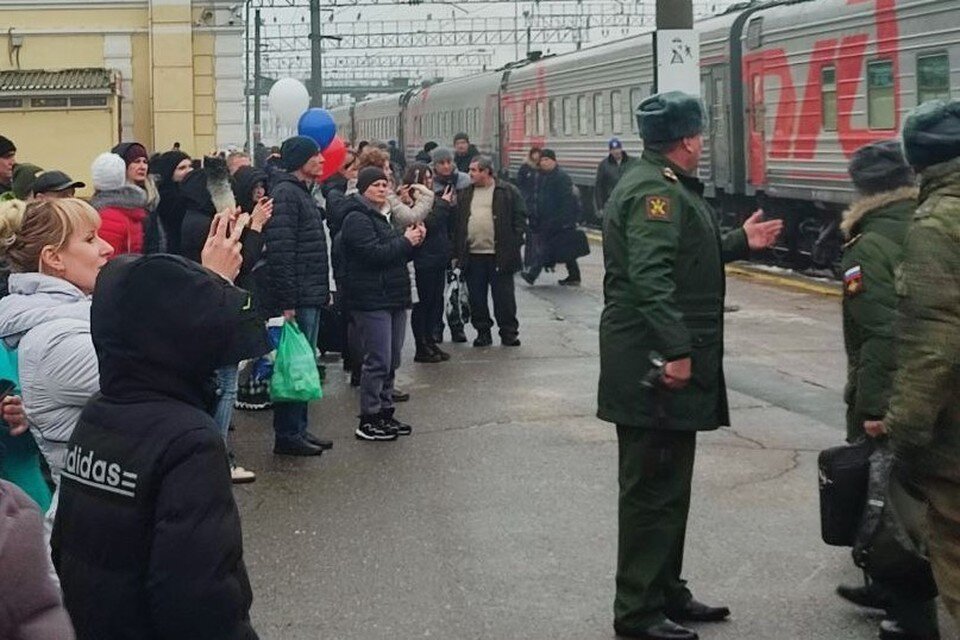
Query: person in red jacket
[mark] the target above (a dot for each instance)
(120, 185)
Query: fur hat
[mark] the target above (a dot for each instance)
(879, 167)
(296, 151)
(931, 133)
(441, 154)
(669, 116)
(109, 172)
(367, 177)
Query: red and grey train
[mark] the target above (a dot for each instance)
(790, 87)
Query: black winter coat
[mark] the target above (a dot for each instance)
(198, 216)
(463, 162)
(509, 224)
(375, 257)
(296, 245)
(556, 203)
(608, 175)
(528, 179)
(147, 539)
(437, 247)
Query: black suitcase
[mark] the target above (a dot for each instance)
(568, 245)
(332, 329)
(844, 478)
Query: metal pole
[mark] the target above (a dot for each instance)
(316, 56)
(256, 78)
(671, 14)
(516, 29)
(246, 74)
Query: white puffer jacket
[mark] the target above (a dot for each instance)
(47, 320)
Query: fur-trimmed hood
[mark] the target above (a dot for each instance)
(865, 206)
(129, 196)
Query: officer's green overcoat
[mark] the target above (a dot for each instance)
(664, 289)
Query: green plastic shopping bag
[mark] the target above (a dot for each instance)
(295, 376)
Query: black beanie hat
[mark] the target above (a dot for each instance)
(931, 133)
(296, 151)
(130, 151)
(367, 177)
(670, 116)
(6, 147)
(879, 167)
(548, 153)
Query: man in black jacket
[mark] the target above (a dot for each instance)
(464, 151)
(609, 172)
(488, 236)
(147, 540)
(297, 276)
(557, 209)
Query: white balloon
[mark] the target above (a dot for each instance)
(288, 100)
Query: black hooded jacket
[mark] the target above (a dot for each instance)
(463, 161)
(147, 539)
(199, 207)
(170, 209)
(297, 262)
(244, 180)
(375, 257)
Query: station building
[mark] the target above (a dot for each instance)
(78, 76)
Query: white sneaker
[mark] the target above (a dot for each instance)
(239, 475)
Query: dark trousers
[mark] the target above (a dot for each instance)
(656, 468)
(482, 277)
(427, 314)
(290, 418)
(573, 270)
(381, 338)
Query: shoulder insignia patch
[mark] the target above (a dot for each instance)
(658, 208)
(670, 175)
(853, 281)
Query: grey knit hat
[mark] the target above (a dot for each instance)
(441, 154)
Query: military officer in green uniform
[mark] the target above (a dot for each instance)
(664, 294)
(923, 419)
(875, 228)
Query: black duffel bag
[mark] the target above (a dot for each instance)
(567, 245)
(844, 478)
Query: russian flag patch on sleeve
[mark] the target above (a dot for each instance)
(853, 281)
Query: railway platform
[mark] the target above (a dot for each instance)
(496, 519)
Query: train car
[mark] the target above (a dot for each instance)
(438, 112)
(378, 119)
(343, 117)
(575, 103)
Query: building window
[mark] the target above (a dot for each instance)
(636, 97)
(11, 103)
(828, 98)
(598, 111)
(933, 78)
(569, 116)
(616, 112)
(880, 99)
(88, 101)
(48, 103)
(583, 116)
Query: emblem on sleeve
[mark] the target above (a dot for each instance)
(658, 208)
(853, 281)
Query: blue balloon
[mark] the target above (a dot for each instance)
(318, 124)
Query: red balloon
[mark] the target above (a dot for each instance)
(333, 158)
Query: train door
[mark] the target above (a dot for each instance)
(719, 131)
(756, 135)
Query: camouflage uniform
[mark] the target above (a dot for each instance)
(924, 415)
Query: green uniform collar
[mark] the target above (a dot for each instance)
(941, 178)
(689, 181)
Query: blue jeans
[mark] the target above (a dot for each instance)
(290, 418)
(226, 396)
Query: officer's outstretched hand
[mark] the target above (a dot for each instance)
(761, 234)
(676, 374)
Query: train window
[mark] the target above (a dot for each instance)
(569, 116)
(880, 100)
(636, 97)
(755, 33)
(598, 111)
(541, 117)
(582, 115)
(616, 112)
(476, 119)
(528, 118)
(828, 98)
(555, 116)
(933, 77)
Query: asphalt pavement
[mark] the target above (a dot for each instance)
(496, 519)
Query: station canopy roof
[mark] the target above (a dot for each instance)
(87, 80)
